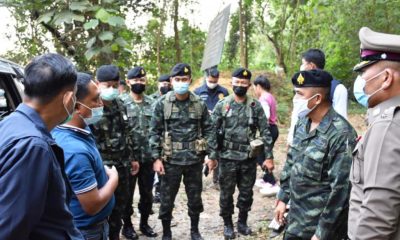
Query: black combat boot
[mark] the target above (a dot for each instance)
(229, 233)
(194, 228)
(167, 234)
(145, 228)
(128, 231)
(242, 224)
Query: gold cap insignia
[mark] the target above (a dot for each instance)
(142, 72)
(300, 79)
(186, 70)
(245, 73)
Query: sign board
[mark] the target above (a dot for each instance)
(215, 39)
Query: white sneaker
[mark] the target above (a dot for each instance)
(270, 191)
(261, 184)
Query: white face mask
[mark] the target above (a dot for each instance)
(301, 106)
(211, 85)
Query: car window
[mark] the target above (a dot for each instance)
(10, 94)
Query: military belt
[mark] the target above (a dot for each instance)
(183, 145)
(236, 146)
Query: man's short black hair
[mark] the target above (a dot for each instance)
(82, 85)
(47, 75)
(315, 56)
(263, 81)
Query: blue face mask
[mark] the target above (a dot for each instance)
(97, 114)
(109, 94)
(358, 89)
(181, 87)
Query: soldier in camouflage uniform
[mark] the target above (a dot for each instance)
(239, 117)
(315, 177)
(179, 126)
(112, 137)
(164, 86)
(139, 108)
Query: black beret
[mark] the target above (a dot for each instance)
(107, 73)
(212, 72)
(136, 72)
(181, 69)
(312, 78)
(242, 73)
(164, 78)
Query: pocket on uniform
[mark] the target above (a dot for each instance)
(355, 175)
(313, 164)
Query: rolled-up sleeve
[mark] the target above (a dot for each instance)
(25, 167)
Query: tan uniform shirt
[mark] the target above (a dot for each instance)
(375, 176)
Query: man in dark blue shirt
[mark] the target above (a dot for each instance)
(211, 92)
(35, 191)
(92, 182)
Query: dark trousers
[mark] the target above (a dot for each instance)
(145, 179)
(269, 177)
(192, 178)
(234, 173)
(121, 199)
(96, 231)
(288, 236)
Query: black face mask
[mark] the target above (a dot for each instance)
(138, 88)
(165, 89)
(240, 91)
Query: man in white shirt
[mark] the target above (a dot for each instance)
(315, 59)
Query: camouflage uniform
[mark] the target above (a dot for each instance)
(235, 166)
(316, 178)
(112, 138)
(183, 126)
(139, 116)
(155, 96)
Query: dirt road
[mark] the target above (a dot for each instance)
(211, 224)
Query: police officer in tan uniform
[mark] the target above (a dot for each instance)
(375, 173)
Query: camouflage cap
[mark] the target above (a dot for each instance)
(376, 46)
(136, 72)
(312, 78)
(181, 69)
(107, 73)
(242, 73)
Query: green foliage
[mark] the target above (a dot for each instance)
(92, 33)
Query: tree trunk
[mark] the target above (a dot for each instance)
(242, 40)
(159, 37)
(178, 54)
(279, 54)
